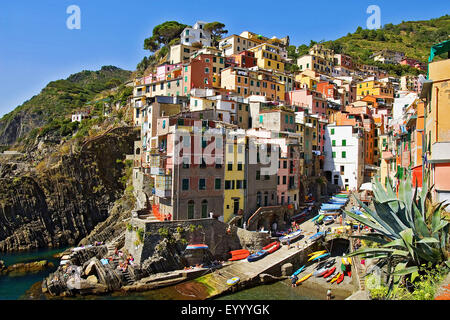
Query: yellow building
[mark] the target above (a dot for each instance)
(268, 57)
(374, 88)
(307, 78)
(235, 182)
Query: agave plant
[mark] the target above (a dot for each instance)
(410, 229)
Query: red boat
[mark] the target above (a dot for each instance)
(349, 273)
(340, 279)
(329, 272)
(239, 255)
(274, 246)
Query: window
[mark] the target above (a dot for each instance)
(185, 185)
(239, 167)
(284, 179)
(344, 143)
(333, 143)
(230, 167)
(239, 184)
(227, 184)
(344, 154)
(191, 207)
(218, 184)
(334, 155)
(206, 70)
(202, 184)
(204, 209)
(258, 175)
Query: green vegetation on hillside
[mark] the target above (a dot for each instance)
(51, 108)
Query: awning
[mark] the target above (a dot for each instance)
(366, 186)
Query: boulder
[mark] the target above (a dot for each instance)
(21, 269)
(92, 279)
(90, 268)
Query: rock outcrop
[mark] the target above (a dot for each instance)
(63, 200)
(20, 269)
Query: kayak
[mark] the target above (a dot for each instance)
(291, 237)
(320, 218)
(335, 278)
(346, 261)
(317, 252)
(238, 257)
(331, 276)
(315, 218)
(330, 263)
(304, 278)
(349, 273)
(240, 251)
(274, 246)
(298, 271)
(329, 272)
(340, 279)
(321, 265)
(321, 256)
(233, 281)
(320, 272)
(256, 256)
(315, 256)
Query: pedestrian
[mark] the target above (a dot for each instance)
(329, 294)
(289, 243)
(294, 281)
(244, 226)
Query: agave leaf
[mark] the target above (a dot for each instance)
(420, 227)
(407, 236)
(370, 224)
(395, 243)
(369, 251)
(401, 253)
(428, 240)
(448, 263)
(385, 217)
(414, 275)
(404, 271)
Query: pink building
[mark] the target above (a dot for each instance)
(310, 99)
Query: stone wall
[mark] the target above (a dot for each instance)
(208, 231)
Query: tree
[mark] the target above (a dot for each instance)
(302, 50)
(163, 34)
(217, 30)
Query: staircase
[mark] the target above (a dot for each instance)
(127, 277)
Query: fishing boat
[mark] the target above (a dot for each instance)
(317, 236)
(233, 281)
(274, 246)
(239, 255)
(257, 256)
(298, 271)
(304, 278)
(293, 236)
(328, 220)
(321, 256)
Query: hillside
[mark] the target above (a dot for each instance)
(58, 100)
(414, 38)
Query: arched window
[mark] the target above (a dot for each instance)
(191, 209)
(204, 209)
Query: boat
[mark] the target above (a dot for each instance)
(336, 277)
(291, 237)
(274, 246)
(331, 276)
(330, 263)
(257, 256)
(346, 261)
(321, 265)
(315, 218)
(315, 256)
(196, 246)
(316, 236)
(329, 272)
(233, 281)
(321, 256)
(317, 252)
(349, 273)
(298, 271)
(239, 255)
(340, 279)
(328, 220)
(304, 278)
(301, 215)
(320, 272)
(320, 219)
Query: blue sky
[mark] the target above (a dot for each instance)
(37, 47)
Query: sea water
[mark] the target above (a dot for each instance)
(13, 287)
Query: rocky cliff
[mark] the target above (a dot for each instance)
(66, 196)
